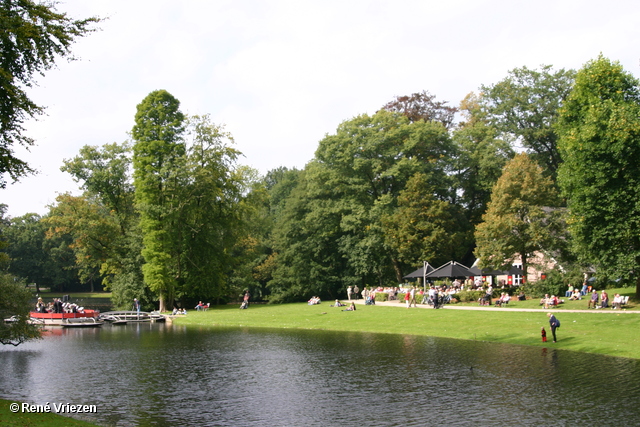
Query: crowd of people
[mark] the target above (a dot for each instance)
(314, 300)
(434, 296)
(57, 306)
(550, 301)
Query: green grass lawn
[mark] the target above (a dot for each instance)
(10, 419)
(610, 333)
(534, 302)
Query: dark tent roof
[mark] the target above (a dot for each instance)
(450, 269)
(513, 271)
(419, 273)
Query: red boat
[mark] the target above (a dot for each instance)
(86, 318)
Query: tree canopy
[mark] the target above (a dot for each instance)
(33, 36)
(525, 105)
(599, 129)
(170, 215)
(15, 302)
(516, 221)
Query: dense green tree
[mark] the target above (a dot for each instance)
(33, 36)
(599, 129)
(307, 259)
(525, 107)
(158, 156)
(211, 210)
(517, 216)
(45, 262)
(94, 231)
(481, 155)
(104, 173)
(267, 197)
(423, 228)
(25, 236)
(330, 233)
(15, 301)
(367, 163)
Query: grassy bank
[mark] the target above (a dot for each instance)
(75, 295)
(610, 333)
(8, 418)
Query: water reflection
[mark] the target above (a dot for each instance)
(165, 376)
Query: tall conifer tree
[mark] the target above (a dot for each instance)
(157, 155)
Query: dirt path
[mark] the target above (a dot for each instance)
(402, 304)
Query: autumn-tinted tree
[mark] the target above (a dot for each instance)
(105, 175)
(423, 106)
(599, 129)
(33, 36)
(517, 216)
(94, 232)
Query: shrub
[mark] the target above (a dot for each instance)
(468, 296)
(383, 296)
(554, 284)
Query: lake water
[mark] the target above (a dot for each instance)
(163, 375)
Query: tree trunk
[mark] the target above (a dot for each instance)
(396, 267)
(523, 256)
(638, 288)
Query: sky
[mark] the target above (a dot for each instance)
(282, 74)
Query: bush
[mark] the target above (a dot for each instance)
(383, 296)
(555, 284)
(469, 296)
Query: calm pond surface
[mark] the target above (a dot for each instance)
(163, 375)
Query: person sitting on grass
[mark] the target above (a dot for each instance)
(576, 295)
(314, 300)
(544, 301)
(351, 307)
(337, 304)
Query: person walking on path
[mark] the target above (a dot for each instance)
(407, 298)
(356, 291)
(349, 292)
(554, 323)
